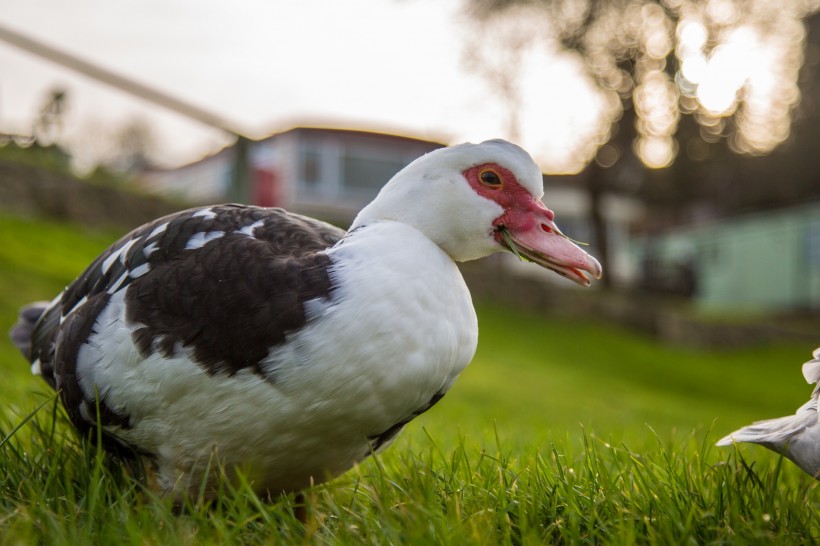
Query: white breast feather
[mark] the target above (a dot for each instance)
(399, 329)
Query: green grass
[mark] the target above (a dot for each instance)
(559, 432)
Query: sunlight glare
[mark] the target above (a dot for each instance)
(747, 71)
(729, 66)
(694, 68)
(738, 62)
(692, 35)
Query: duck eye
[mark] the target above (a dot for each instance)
(490, 178)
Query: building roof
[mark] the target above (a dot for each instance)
(311, 130)
(360, 133)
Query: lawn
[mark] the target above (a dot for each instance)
(559, 432)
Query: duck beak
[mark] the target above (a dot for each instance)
(528, 230)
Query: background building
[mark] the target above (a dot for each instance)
(329, 173)
(332, 173)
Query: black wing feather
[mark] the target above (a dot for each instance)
(229, 301)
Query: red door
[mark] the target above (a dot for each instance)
(265, 188)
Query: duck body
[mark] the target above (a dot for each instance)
(280, 346)
(797, 437)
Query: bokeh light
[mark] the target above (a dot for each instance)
(741, 60)
(715, 60)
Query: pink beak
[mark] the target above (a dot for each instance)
(528, 230)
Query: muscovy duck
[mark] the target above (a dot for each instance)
(796, 436)
(278, 344)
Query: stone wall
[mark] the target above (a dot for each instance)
(39, 192)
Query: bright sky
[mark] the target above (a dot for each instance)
(389, 65)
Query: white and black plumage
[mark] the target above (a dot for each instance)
(795, 436)
(279, 344)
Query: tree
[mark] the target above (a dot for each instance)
(121, 150)
(134, 143)
(48, 125)
(692, 81)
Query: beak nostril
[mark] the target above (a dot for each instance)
(546, 228)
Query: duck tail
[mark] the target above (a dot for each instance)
(21, 333)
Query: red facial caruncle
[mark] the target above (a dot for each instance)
(527, 227)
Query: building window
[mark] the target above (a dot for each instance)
(309, 167)
(367, 174)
